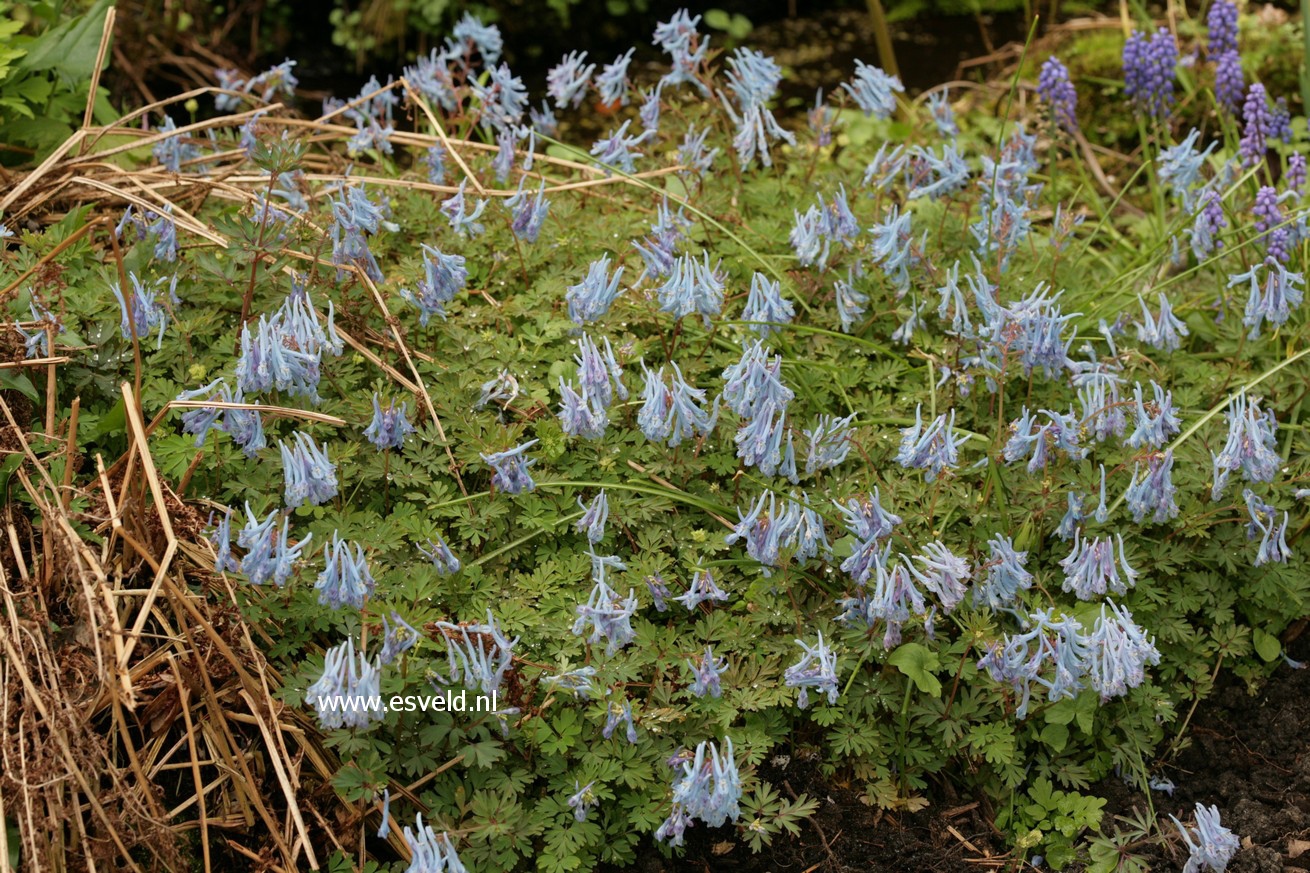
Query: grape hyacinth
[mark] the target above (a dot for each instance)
(349, 692)
(1258, 126)
(1221, 28)
(1055, 89)
(1149, 71)
(1229, 82)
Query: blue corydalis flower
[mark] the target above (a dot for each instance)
(766, 306)
(1118, 652)
(672, 413)
(706, 672)
(686, 49)
(398, 637)
(1153, 493)
(594, 516)
(1162, 332)
(865, 517)
(567, 81)
(649, 113)
(659, 592)
(943, 573)
(528, 211)
(693, 154)
(885, 167)
(1274, 299)
(1091, 568)
(431, 852)
(389, 427)
(822, 120)
(1180, 166)
(266, 85)
(583, 800)
(1273, 536)
(1206, 227)
(511, 469)
(462, 221)
(1156, 420)
(659, 251)
(873, 90)
(1149, 71)
(221, 537)
(612, 83)
(1058, 93)
(702, 588)
(503, 98)
(708, 788)
(755, 380)
(617, 714)
(349, 692)
(934, 177)
(609, 616)
(1061, 432)
(174, 151)
(1006, 575)
(760, 442)
(1073, 516)
(354, 218)
(444, 276)
(822, 225)
(581, 414)
(830, 441)
(269, 555)
(469, 32)
(851, 303)
(943, 116)
(693, 287)
(434, 159)
(592, 297)
(310, 476)
(599, 372)
(442, 558)
(1021, 659)
(817, 669)
(142, 311)
(893, 249)
(345, 578)
(753, 79)
(1211, 846)
(932, 449)
(619, 149)
(768, 533)
(478, 655)
(1249, 447)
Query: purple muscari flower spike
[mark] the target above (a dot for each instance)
(693, 286)
(442, 558)
(1149, 71)
(583, 800)
(478, 656)
(708, 788)
(659, 591)
(1054, 87)
(851, 303)
(1006, 575)
(685, 47)
(766, 304)
(1209, 221)
(397, 638)
(1117, 653)
(389, 427)
(1280, 125)
(594, 516)
(345, 578)
(1154, 492)
(1091, 569)
(1268, 217)
(939, 106)
(1221, 25)
(1280, 294)
(829, 442)
(1229, 83)
(268, 555)
(1211, 846)
(1273, 536)
(608, 615)
(1163, 332)
(567, 81)
(933, 449)
(529, 213)
(1180, 166)
(692, 153)
(310, 476)
(431, 852)
(612, 83)
(1296, 172)
(1073, 515)
(511, 469)
(702, 588)
(349, 693)
(1259, 125)
(893, 248)
(354, 218)
(1156, 421)
(873, 90)
(817, 668)
(617, 714)
(753, 79)
(591, 298)
(673, 414)
(1250, 445)
(706, 671)
(435, 161)
(618, 149)
(444, 276)
(944, 574)
(461, 220)
(148, 313)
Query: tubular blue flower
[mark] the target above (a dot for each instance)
(503, 98)
(345, 578)
(1180, 166)
(576, 682)
(829, 442)
(599, 373)
(431, 852)
(659, 591)
(1154, 493)
(1229, 83)
(1258, 126)
(1102, 510)
(199, 422)
(943, 573)
(702, 588)
(619, 149)
(608, 615)
(612, 83)
(567, 81)
(592, 297)
(934, 177)
(174, 151)
(893, 249)
(1103, 413)
(760, 442)
(885, 166)
(1249, 447)
(442, 558)
(1268, 217)
(865, 517)
(432, 77)
(692, 153)
(1211, 846)
(821, 226)
(434, 159)
(581, 414)
(693, 287)
(444, 276)
(479, 655)
(583, 800)
(501, 389)
(659, 251)
(269, 556)
(672, 414)
(389, 427)
(354, 218)
(851, 303)
(310, 476)
(649, 113)
(1006, 575)
(706, 673)
(822, 120)
(766, 306)
(1149, 71)
(285, 352)
(753, 78)
(142, 311)
(510, 469)
(1209, 222)
(398, 637)
(755, 380)
(594, 516)
(686, 49)
(1091, 569)
(1274, 300)
(463, 222)
(1073, 516)
(1055, 89)
(1156, 421)
(943, 116)
(617, 714)
(1003, 224)
(932, 449)
(349, 692)
(1022, 659)
(221, 538)
(891, 598)
(1273, 536)
(708, 787)
(873, 90)
(470, 32)
(767, 532)
(529, 212)
(817, 669)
